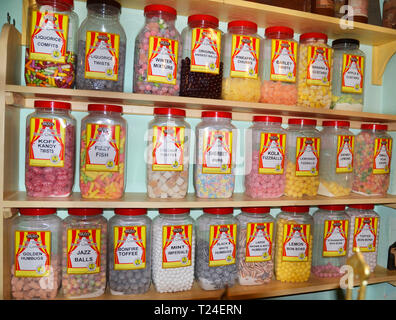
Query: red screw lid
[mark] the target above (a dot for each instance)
(216, 114)
(170, 111)
(362, 206)
(333, 207)
(130, 211)
(256, 209)
(85, 211)
(159, 8)
(336, 124)
(174, 210)
(52, 104)
(219, 210)
(288, 32)
(304, 122)
(243, 24)
(295, 209)
(267, 119)
(36, 211)
(316, 35)
(104, 108)
(203, 18)
(372, 126)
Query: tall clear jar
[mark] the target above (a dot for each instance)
(201, 65)
(302, 153)
(349, 68)
(336, 159)
(373, 152)
(129, 254)
(214, 167)
(331, 241)
(103, 152)
(168, 153)
(50, 150)
(217, 239)
(279, 67)
(255, 246)
(242, 57)
(265, 157)
(157, 53)
(101, 48)
(36, 232)
(50, 55)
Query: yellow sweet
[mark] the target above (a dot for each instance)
(241, 89)
(336, 189)
(297, 187)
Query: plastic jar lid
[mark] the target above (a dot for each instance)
(267, 119)
(295, 209)
(85, 211)
(346, 42)
(303, 122)
(104, 108)
(336, 124)
(36, 211)
(333, 207)
(243, 24)
(369, 126)
(256, 209)
(219, 210)
(216, 114)
(279, 32)
(174, 210)
(159, 8)
(203, 18)
(130, 211)
(170, 111)
(61, 5)
(52, 104)
(313, 35)
(362, 206)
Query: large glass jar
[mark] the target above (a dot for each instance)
(168, 153)
(215, 146)
(50, 150)
(336, 159)
(373, 152)
(217, 239)
(103, 152)
(242, 58)
(157, 49)
(201, 67)
(265, 157)
(349, 69)
(389, 14)
(323, 7)
(35, 247)
(360, 10)
(50, 55)
(101, 48)
(279, 67)
(302, 153)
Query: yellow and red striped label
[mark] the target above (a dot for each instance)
(272, 153)
(245, 53)
(205, 50)
(259, 237)
(352, 73)
(296, 242)
(217, 152)
(307, 156)
(365, 234)
(382, 155)
(129, 247)
(335, 235)
(222, 244)
(345, 149)
(319, 66)
(176, 246)
(283, 60)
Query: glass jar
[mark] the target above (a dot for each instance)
(389, 14)
(36, 232)
(157, 48)
(242, 58)
(336, 159)
(201, 68)
(348, 75)
(214, 167)
(364, 232)
(373, 152)
(302, 153)
(265, 157)
(279, 67)
(323, 7)
(302, 5)
(129, 255)
(84, 238)
(358, 10)
(294, 229)
(168, 153)
(216, 248)
(331, 241)
(255, 248)
(314, 71)
(50, 55)
(173, 257)
(50, 150)
(102, 152)
(101, 48)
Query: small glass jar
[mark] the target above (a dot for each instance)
(129, 251)
(168, 153)
(173, 257)
(294, 229)
(349, 65)
(373, 152)
(265, 157)
(157, 50)
(35, 247)
(302, 153)
(389, 14)
(84, 243)
(50, 55)
(102, 152)
(279, 67)
(217, 239)
(50, 150)
(360, 10)
(101, 48)
(323, 7)
(214, 167)
(331, 241)
(201, 67)
(336, 159)
(255, 248)
(242, 58)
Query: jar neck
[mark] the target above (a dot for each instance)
(167, 117)
(203, 24)
(104, 12)
(217, 119)
(313, 40)
(346, 46)
(154, 16)
(242, 30)
(301, 126)
(278, 35)
(52, 111)
(175, 216)
(256, 215)
(336, 128)
(53, 5)
(263, 124)
(109, 113)
(374, 130)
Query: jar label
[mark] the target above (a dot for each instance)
(162, 60)
(319, 66)
(283, 60)
(129, 247)
(32, 253)
(335, 235)
(307, 156)
(382, 155)
(296, 241)
(168, 145)
(47, 142)
(352, 73)
(222, 244)
(259, 241)
(48, 36)
(345, 149)
(205, 50)
(176, 246)
(217, 152)
(272, 153)
(245, 52)
(83, 251)
(102, 55)
(365, 234)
